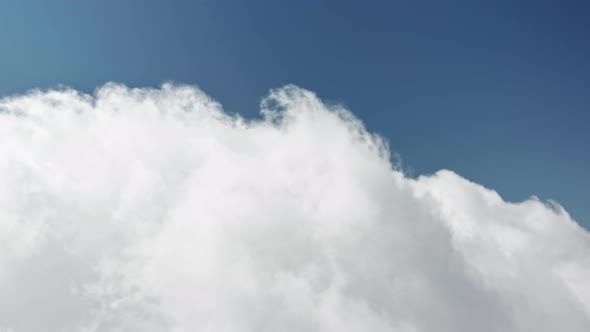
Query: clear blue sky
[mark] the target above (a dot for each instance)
(498, 91)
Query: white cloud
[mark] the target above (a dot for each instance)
(153, 210)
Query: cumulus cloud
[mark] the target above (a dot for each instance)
(153, 210)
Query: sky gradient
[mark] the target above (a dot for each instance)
(497, 91)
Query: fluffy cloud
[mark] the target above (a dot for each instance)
(153, 210)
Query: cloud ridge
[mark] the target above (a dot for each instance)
(140, 209)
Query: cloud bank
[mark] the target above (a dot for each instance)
(153, 210)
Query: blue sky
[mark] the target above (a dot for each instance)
(497, 91)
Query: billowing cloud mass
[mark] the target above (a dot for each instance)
(153, 210)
